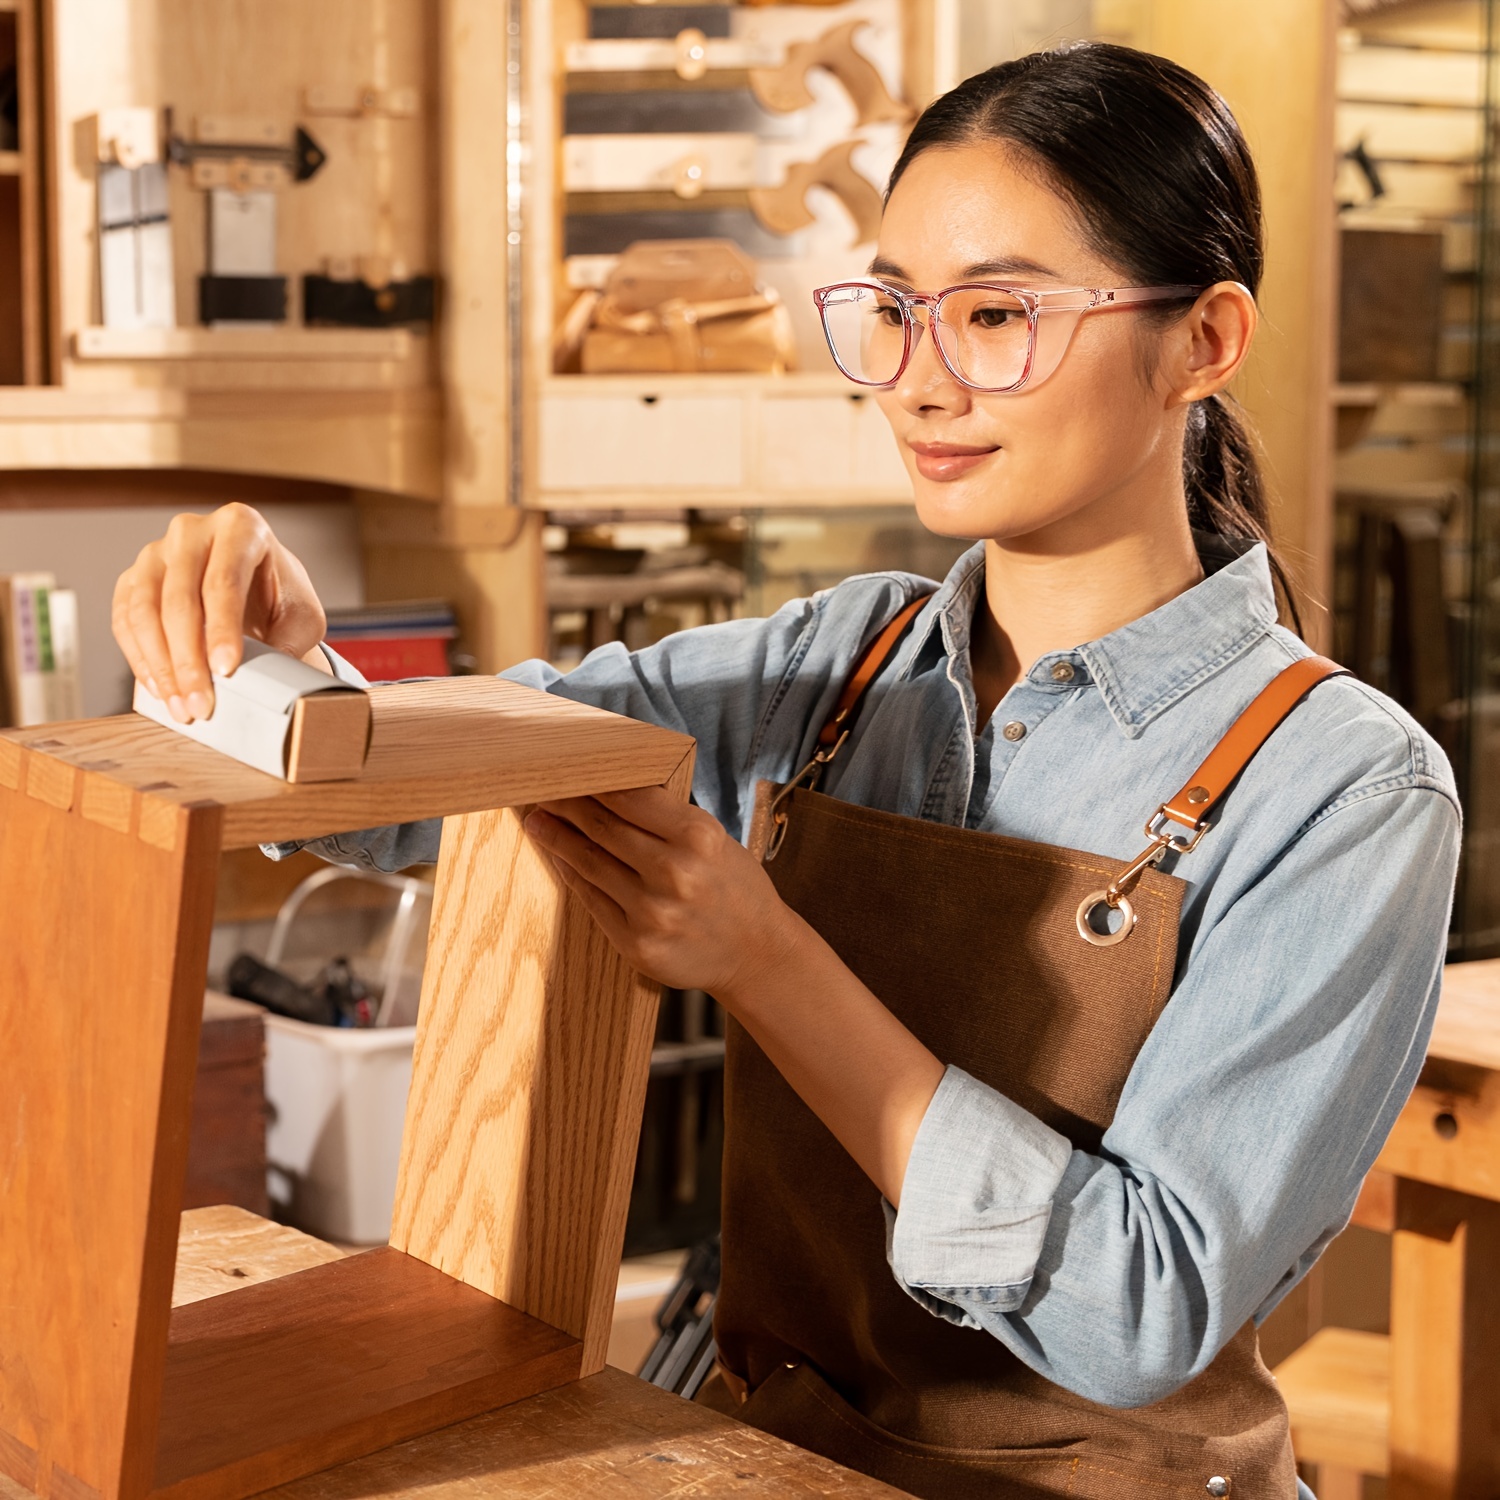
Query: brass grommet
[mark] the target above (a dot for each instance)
(1086, 909)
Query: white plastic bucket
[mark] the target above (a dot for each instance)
(338, 1105)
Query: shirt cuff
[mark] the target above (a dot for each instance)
(326, 847)
(975, 1201)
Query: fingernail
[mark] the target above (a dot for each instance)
(222, 661)
(152, 688)
(178, 709)
(200, 705)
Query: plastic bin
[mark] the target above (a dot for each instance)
(338, 1105)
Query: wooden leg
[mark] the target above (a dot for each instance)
(1445, 1346)
(528, 1081)
(1337, 1483)
(106, 904)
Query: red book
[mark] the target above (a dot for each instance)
(394, 658)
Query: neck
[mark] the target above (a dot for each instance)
(1074, 582)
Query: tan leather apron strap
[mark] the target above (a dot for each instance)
(832, 735)
(1200, 794)
(877, 653)
(1192, 805)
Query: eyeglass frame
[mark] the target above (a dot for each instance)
(1035, 301)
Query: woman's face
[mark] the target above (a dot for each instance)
(1012, 466)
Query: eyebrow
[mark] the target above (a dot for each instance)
(1005, 266)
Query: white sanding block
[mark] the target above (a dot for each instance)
(281, 716)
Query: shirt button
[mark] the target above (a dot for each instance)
(1062, 671)
(1015, 730)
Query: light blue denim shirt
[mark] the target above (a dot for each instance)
(1312, 940)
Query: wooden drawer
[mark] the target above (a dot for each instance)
(628, 442)
(829, 445)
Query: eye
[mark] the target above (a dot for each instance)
(993, 316)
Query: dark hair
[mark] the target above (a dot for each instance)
(1159, 174)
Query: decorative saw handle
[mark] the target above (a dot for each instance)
(784, 210)
(784, 88)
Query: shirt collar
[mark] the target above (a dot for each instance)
(1145, 667)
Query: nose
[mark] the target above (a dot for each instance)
(927, 384)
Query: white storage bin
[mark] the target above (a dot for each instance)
(338, 1104)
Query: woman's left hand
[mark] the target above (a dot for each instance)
(682, 901)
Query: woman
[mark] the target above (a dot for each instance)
(1022, 1141)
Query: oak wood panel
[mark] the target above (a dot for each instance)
(101, 992)
(226, 1249)
(292, 1375)
(452, 745)
(528, 1081)
(1338, 1390)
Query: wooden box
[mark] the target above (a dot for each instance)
(530, 1067)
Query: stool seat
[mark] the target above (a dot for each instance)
(1338, 1390)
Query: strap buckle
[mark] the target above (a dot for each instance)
(808, 776)
(1164, 841)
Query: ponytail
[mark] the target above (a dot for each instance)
(1164, 186)
(1226, 492)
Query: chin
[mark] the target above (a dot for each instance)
(966, 512)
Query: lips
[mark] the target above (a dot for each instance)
(949, 461)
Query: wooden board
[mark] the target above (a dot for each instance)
(515, 1166)
(1467, 1029)
(297, 1373)
(101, 995)
(452, 745)
(1338, 1390)
(225, 1249)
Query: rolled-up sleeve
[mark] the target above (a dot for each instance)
(976, 1200)
(1251, 1116)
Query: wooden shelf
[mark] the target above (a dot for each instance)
(291, 1358)
(1338, 1390)
(10, 163)
(242, 343)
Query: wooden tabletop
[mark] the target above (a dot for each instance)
(1468, 1019)
(609, 1437)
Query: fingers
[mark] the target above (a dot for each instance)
(238, 549)
(136, 620)
(597, 866)
(629, 844)
(181, 611)
(653, 808)
(185, 552)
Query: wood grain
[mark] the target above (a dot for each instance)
(1449, 1132)
(101, 992)
(289, 1376)
(1467, 1028)
(1445, 1330)
(225, 1249)
(528, 1080)
(227, 1149)
(451, 745)
(1338, 1390)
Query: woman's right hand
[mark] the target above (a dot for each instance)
(188, 600)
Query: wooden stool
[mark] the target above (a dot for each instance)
(1422, 1406)
(530, 1067)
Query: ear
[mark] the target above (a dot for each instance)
(1208, 346)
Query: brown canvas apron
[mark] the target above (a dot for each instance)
(975, 942)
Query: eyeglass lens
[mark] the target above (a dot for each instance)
(984, 333)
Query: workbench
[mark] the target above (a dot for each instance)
(609, 1435)
(1422, 1404)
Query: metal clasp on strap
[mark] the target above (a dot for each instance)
(1166, 838)
(808, 776)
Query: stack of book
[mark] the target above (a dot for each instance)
(39, 650)
(391, 642)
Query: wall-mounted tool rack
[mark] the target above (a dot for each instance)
(773, 126)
